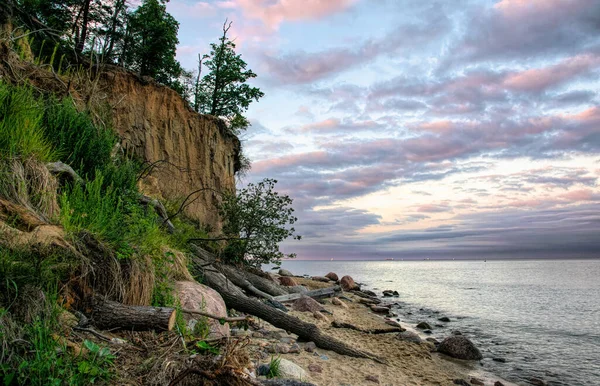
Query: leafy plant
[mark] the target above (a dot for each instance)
(274, 369)
(203, 347)
(257, 219)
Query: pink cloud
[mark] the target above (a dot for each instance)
(578, 195)
(273, 13)
(433, 208)
(518, 9)
(442, 126)
(539, 79)
(334, 124)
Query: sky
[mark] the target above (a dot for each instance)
(421, 129)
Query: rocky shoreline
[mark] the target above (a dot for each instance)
(367, 321)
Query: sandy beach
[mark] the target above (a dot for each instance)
(408, 363)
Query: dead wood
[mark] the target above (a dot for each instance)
(349, 326)
(235, 298)
(107, 315)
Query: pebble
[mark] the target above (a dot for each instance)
(294, 349)
(477, 381)
(372, 378)
(461, 382)
(315, 368)
(310, 346)
(324, 357)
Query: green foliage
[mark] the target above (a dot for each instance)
(78, 141)
(33, 355)
(205, 347)
(274, 370)
(223, 91)
(22, 134)
(152, 42)
(257, 219)
(162, 294)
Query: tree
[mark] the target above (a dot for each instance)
(152, 42)
(223, 91)
(256, 220)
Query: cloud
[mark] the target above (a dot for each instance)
(332, 125)
(274, 12)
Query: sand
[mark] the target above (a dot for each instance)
(408, 363)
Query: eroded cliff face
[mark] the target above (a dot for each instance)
(189, 152)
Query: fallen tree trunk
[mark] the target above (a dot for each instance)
(367, 330)
(237, 278)
(265, 285)
(107, 314)
(235, 298)
(318, 293)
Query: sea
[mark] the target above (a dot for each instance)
(530, 318)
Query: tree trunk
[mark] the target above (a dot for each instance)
(237, 278)
(235, 298)
(107, 314)
(84, 26)
(265, 285)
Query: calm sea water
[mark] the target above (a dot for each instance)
(541, 316)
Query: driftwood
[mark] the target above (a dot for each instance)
(108, 315)
(349, 326)
(216, 317)
(236, 277)
(264, 284)
(318, 293)
(235, 298)
(160, 210)
(62, 169)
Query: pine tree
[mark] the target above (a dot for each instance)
(223, 91)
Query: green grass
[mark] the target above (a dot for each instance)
(274, 370)
(22, 134)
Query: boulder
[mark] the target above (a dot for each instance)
(338, 302)
(290, 370)
(392, 323)
(424, 326)
(498, 383)
(348, 283)
(477, 381)
(409, 336)
(196, 296)
(444, 319)
(460, 347)
(369, 300)
(285, 272)
(287, 281)
(380, 309)
(321, 279)
(388, 293)
(332, 276)
(306, 304)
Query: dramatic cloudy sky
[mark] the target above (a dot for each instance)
(416, 128)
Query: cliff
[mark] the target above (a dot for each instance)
(185, 151)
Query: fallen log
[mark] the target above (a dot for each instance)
(237, 278)
(235, 298)
(264, 284)
(318, 293)
(349, 326)
(107, 315)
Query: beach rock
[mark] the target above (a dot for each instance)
(372, 378)
(396, 294)
(263, 369)
(348, 284)
(338, 302)
(290, 370)
(285, 272)
(392, 323)
(498, 383)
(287, 281)
(477, 381)
(456, 332)
(306, 304)
(409, 336)
(332, 276)
(424, 326)
(501, 360)
(461, 382)
(460, 347)
(294, 349)
(380, 309)
(369, 301)
(318, 315)
(321, 279)
(427, 332)
(538, 382)
(198, 297)
(433, 340)
(315, 368)
(388, 293)
(310, 347)
(444, 319)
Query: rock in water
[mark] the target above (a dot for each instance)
(409, 336)
(287, 281)
(459, 346)
(380, 310)
(444, 319)
(348, 283)
(306, 304)
(196, 296)
(424, 326)
(285, 272)
(290, 370)
(332, 276)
